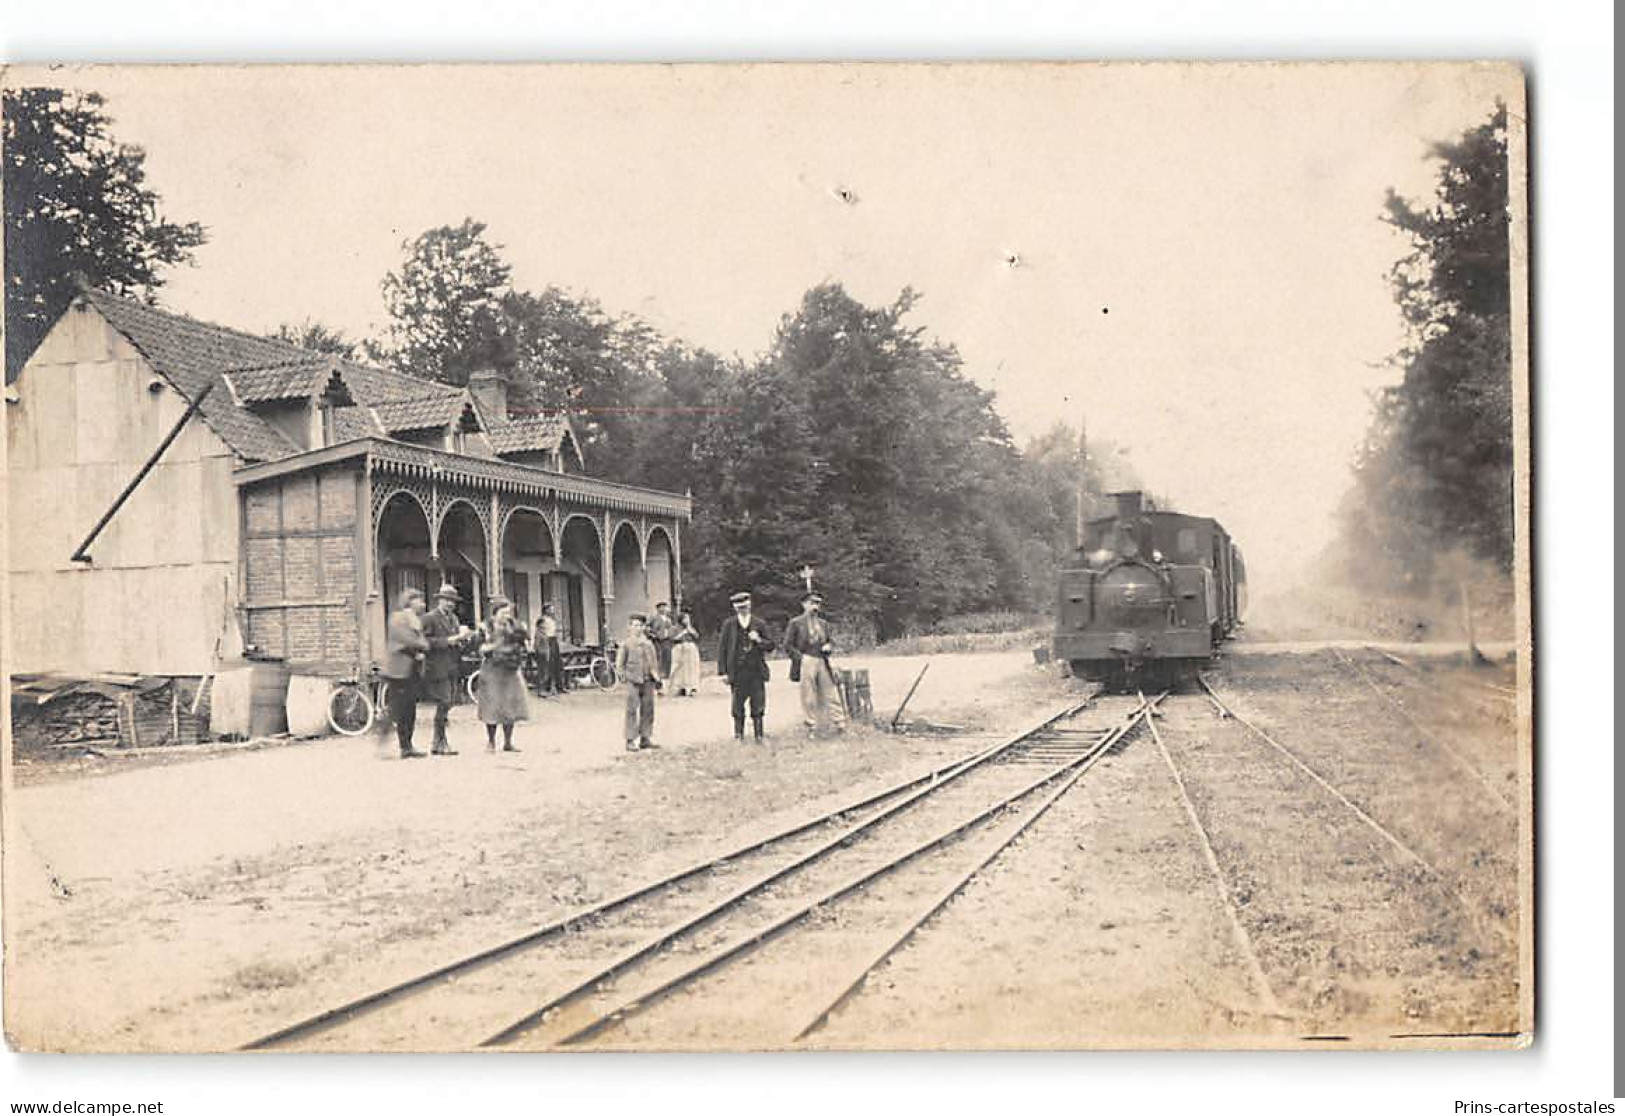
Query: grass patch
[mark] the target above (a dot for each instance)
(267, 976)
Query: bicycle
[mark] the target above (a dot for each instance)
(589, 665)
(351, 710)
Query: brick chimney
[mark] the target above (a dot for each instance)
(489, 387)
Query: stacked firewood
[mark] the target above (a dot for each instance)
(107, 717)
(83, 719)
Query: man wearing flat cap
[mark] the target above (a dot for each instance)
(444, 632)
(742, 662)
(638, 665)
(809, 642)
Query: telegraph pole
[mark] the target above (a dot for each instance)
(1083, 477)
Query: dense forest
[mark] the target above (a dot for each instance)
(1433, 491)
(854, 444)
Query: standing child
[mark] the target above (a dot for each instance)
(639, 665)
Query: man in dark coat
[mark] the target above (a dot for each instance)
(742, 662)
(406, 649)
(444, 632)
(662, 632)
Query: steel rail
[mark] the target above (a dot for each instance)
(745, 944)
(1461, 761)
(1376, 827)
(1238, 931)
(1445, 884)
(914, 788)
(659, 940)
(1080, 765)
(1503, 691)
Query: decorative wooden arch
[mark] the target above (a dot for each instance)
(639, 535)
(450, 504)
(555, 533)
(382, 503)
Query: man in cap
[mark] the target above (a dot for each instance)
(637, 664)
(549, 663)
(662, 632)
(742, 662)
(444, 632)
(402, 663)
(809, 642)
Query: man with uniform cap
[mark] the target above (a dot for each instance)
(444, 633)
(742, 662)
(809, 642)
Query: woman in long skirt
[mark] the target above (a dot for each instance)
(502, 699)
(685, 658)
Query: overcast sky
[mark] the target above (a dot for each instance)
(1199, 266)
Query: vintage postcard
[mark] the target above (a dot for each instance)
(764, 557)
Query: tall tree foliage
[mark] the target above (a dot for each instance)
(1435, 473)
(317, 338)
(77, 212)
(860, 447)
(453, 310)
(445, 304)
(855, 444)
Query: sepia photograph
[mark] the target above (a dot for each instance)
(762, 557)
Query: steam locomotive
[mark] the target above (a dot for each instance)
(1148, 595)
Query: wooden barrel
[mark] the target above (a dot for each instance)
(268, 701)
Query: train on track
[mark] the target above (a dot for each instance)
(1148, 595)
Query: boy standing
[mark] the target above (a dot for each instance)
(639, 666)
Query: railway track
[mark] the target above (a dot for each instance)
(1490, 791)
(597, 970)
(1487, 925)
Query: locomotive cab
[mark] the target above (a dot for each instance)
(1146, 589)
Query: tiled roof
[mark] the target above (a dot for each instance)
(421, 414)
(350, 423)
(516, 435)
(193, 354)
(294, 379)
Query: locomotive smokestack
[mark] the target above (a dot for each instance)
(1129, 504)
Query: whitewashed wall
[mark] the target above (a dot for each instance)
(155, 598)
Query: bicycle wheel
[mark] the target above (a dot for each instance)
(349, 710)
(473, 686)
(603, 674)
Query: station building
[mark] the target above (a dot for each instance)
(177, 490)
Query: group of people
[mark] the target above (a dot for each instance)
(425, 647)
(741, 661)
(424, 651)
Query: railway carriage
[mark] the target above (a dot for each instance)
(1148, 592)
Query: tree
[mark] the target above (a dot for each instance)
(77, 213)
(906, 521)
(1435, 473)
(445, 305)
(318, 338)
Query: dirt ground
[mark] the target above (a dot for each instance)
(194, 905)
(197, 905)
